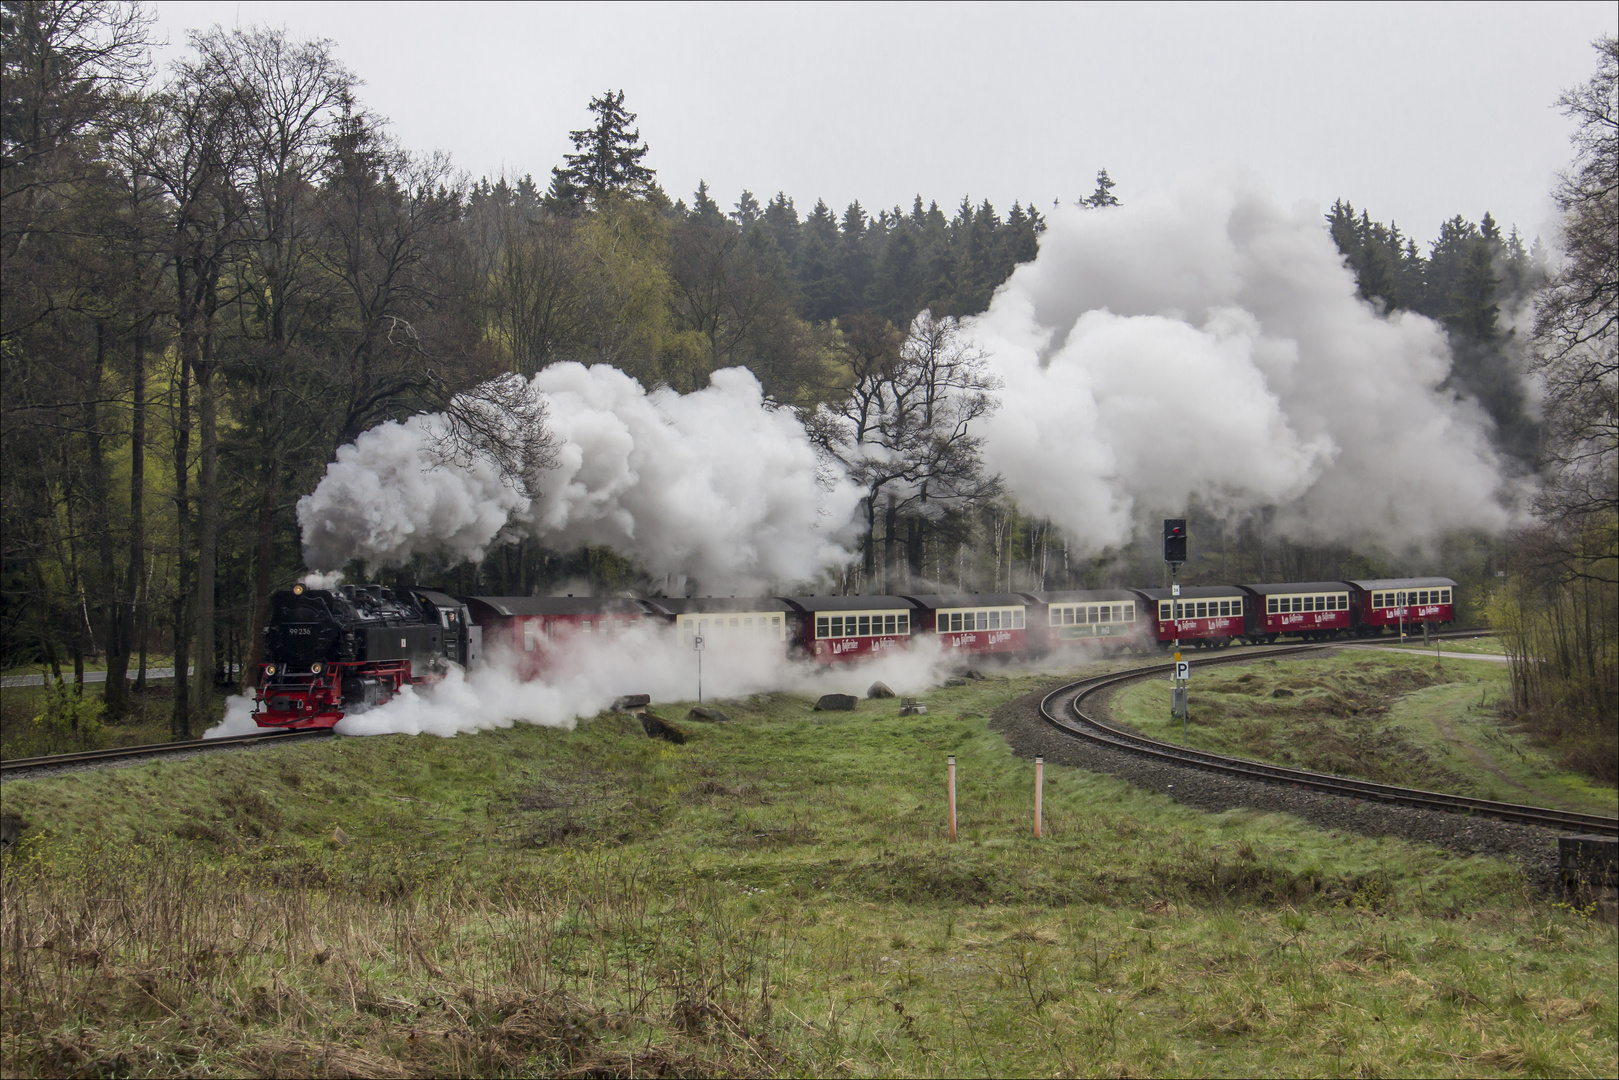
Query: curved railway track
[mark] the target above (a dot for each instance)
(1062, 709)
(154, 750)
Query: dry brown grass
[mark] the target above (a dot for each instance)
(234, 975)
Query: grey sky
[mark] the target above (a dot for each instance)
(1415, 112)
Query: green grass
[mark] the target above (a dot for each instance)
(1376, 714)
(775, 896)
(24, 734)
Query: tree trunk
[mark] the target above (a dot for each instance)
(264, 552)
(207, 531)
(870, 561)
(109, 606)
(913, 549)
(135, 573)
(890, 527)
(180, 723)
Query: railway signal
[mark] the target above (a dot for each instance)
(1175, 556)
(1174, 541)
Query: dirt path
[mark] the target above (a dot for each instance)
(1494, 658)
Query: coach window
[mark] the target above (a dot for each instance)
(1130, 612)
(823, 627)
(1017, 618)
(994, 621)
(1444, 596)
(1270, 605)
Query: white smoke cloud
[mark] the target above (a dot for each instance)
(712, 484)
(1206, 342)
(590, 672)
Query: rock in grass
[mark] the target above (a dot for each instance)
(631, 702)
(1281, 691)
(657, 727)
(955, 682)
(975, 675)
(708, 716)
(879, 690)
(836, 703)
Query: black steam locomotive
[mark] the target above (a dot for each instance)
(331, 652)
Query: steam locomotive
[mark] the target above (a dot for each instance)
(336, 651)
(346, 650)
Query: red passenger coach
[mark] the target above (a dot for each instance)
(1086, 619)
(1311, 609)
(530, 628)
(843, 629)
(978, 623)
(1202, 616)
(1390, 603)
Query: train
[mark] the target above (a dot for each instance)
(345, 650)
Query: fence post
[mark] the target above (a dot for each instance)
(1039, 792)
(952, 793)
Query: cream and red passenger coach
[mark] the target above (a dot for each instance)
(1203, 616)
(975, 622)
(1311, 609)
(1389, 603)
(839, 629)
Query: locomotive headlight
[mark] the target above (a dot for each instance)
(315, 668)
(269, 669)
(297, 590)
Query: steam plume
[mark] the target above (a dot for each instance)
(712, 484)
(1206, 342)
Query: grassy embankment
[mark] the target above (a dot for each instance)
(1382, 715)
(29, 725)
(775, 896)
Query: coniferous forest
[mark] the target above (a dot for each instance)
(217, 274)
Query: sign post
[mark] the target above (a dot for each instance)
(1177, 692)
(698, 647)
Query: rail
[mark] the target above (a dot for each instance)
(152, 750)
(1068, 698)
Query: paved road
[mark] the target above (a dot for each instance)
(90, 676)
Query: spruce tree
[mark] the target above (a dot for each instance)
(607, 157)
(1103, 195)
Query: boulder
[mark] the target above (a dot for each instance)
(879, 690)
(1281, 692)
(955, 682)
(657, 727)
(631, 702)
(708, 716)
(836, 703)
(974, 674)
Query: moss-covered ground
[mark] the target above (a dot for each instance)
(776, 896)
(1379, 714)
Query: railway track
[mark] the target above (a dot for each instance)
(1063, 709)
(155, 750)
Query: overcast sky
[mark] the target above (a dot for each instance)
(1414, 112)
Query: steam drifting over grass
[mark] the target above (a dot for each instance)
(588, 672)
